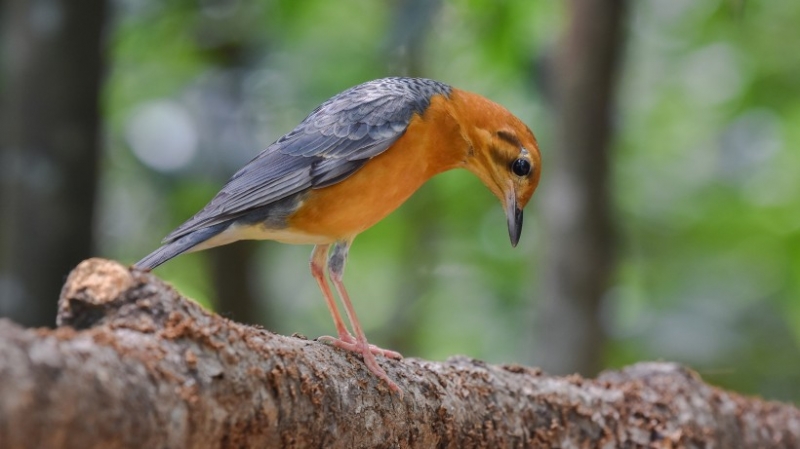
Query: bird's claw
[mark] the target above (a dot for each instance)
(348, 342)
(368, 352)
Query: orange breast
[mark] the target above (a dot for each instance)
(431, 144)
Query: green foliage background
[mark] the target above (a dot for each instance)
(706, 178)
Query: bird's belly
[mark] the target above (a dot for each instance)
(345, 209)
(344, 216)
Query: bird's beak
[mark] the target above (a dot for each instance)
(514, 217)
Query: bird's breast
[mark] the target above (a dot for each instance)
(430, 145)
(345, 209)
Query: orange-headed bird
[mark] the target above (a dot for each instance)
(351, 162)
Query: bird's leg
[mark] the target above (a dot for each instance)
(336, 263)
(319, 263)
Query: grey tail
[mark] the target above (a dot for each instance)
(177, 247)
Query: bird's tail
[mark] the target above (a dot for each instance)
(179, 246)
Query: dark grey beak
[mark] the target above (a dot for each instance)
(514, 217)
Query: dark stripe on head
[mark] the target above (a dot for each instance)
(510, 138)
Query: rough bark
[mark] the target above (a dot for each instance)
(135, 365)
(49, 150)
(576, 208)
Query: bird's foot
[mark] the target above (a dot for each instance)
(348, 342)
(368, 352)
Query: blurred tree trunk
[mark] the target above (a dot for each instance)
(579, 253)
(413, 19)
(234, 267)
(49, 149)
(235, 287)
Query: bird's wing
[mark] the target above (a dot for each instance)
(329, 145)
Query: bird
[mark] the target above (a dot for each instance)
(353, 160)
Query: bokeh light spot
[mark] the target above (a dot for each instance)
(162, 135)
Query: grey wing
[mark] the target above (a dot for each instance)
(329, 145)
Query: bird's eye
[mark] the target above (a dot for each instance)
(521, 167)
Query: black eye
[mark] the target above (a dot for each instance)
(521, 167)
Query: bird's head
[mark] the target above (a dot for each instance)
(504, 154)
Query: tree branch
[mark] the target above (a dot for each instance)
(133, 364)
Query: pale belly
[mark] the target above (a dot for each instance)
(238, 232)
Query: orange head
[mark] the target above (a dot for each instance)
(502, 152)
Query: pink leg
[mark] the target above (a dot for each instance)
(358, 344)
(319, 263)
